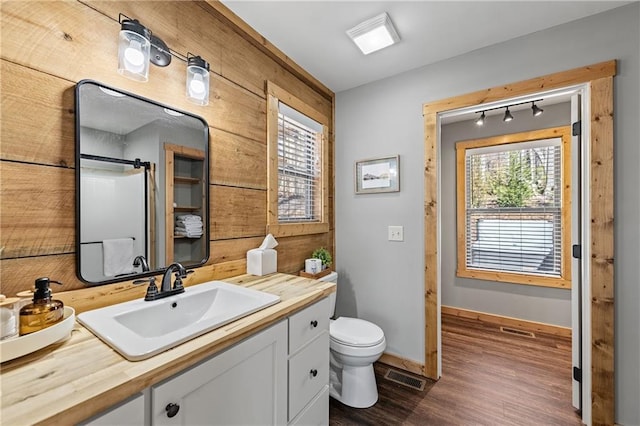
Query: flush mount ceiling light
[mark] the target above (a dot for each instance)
(137, 47)
(374, 34)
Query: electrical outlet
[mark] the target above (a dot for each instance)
(396, 233)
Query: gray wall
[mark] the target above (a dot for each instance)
(383, 281)
(542, 304)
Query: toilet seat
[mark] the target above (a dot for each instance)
(355, 333)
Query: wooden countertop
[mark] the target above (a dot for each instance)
(73, 380)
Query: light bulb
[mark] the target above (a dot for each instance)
(134, 58)
(196, 87)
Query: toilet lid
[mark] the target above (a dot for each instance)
(355, 332)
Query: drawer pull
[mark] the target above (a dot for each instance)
(314, 323)
(313, 373)
(172, 409)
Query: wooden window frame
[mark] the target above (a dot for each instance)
(276, 94)
(564, 281)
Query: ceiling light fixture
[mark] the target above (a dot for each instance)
(507, 116)
(137, 47)
(536, 111)
(374, 34)
(507, 113)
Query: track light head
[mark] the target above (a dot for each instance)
(480, 120)
(507, 116)
(536, 110)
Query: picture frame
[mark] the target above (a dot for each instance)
(377, 175)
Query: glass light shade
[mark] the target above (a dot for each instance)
(133, 55)
(198, 81)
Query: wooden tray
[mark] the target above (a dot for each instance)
(315, 276)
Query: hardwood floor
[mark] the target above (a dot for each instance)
(489, 378)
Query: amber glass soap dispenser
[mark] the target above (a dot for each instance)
(43, 312)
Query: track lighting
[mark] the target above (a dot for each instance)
(536, 111)
(137, 46)
(507, 116)
(507, 113)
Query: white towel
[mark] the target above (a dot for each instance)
(189, 218)
(118, 256)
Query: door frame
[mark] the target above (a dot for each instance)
(599, 78)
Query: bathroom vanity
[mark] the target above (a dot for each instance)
(270, 367)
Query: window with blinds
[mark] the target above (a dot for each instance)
(514, 209)
(299, 166)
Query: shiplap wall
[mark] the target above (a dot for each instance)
(47, 47)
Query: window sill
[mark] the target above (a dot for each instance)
(294, 229)
(508, 277)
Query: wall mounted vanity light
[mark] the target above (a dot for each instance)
(134, 47)
(507, 113)
(197, 80)
(137, 47)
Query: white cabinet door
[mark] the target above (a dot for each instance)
(128, 413)
(244, 385)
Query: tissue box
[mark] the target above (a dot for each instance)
(262, 262)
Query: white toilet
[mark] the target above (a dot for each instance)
(355, 345)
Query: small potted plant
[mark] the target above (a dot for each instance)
(324, 255)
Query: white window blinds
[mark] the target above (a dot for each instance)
(514, 207)
(299, 166)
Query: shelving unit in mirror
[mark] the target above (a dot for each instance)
(185, 199)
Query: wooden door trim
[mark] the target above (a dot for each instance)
(599, 77)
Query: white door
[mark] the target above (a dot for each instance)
(576, 264)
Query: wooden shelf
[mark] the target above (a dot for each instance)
(186, 179)
(315, 276)
(186, 208)
(189, 238)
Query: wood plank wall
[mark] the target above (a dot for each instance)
(48, 46)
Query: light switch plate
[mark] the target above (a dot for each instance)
(396, 233)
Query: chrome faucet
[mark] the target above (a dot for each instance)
(141, 261)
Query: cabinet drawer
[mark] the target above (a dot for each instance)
(308, 373)
(316, 413)
(307, 324)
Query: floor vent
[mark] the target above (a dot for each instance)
(405, 380)
(518, 332)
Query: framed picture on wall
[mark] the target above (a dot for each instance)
(378, 175)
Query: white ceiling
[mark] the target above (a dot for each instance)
(313, 33)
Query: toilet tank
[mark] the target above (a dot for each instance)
(332, 278)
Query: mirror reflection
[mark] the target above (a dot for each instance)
(141, 185)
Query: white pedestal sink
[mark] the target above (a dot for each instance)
(140, 329)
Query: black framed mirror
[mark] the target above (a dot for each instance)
(142, 186)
